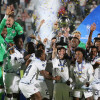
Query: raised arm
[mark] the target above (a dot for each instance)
(54, 53)
(3, 22)
(93, 27)
(41, 23)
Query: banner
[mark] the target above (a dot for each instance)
(84, 27)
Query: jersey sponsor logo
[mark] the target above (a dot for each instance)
(21, 32)
(13, 31)
(43, 65)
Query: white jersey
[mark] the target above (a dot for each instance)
(33, 81)
(83, 72)
(32, 57)
(60, 69)
(96, 59)
(13, 61)
(12, 67)
(30, 75)
(97, 75)
(96, 71)
(96, 83)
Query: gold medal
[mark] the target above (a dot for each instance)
(80, 73)
(62, 70)
(62, 63)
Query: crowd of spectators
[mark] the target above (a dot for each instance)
(75, 10)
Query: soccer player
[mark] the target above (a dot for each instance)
(32, 84)
(12, 65)
(95, 61)
(13, 28)
(82, 75)
(96, 82)
(2, 52)
(93, 54)
(78, 35)
(61, 68)
(30, 48)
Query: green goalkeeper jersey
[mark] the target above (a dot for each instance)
(2, 43)
(2, 48)
(16, 29)
(11, 33)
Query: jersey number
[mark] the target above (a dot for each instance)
(27, 70)
(47, 92)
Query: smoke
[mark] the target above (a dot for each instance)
(47, 10)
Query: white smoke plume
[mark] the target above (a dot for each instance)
(47, 10)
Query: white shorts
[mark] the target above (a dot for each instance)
(96, 91)
(11, 82)
(96, 94)
(78, 94)
(28, 90)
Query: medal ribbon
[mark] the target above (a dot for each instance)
(62, 64)
(80, 69)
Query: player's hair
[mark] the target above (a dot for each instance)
(96, 39)
(53, 38)
(94, 47)
(75, 38)
(81, 50)
(98, 34)
(76, 32)
(61, 48)
(70, 37)
(40, 45)
(12, 16)
(38, 53)
(31, 48)
(16, 38)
